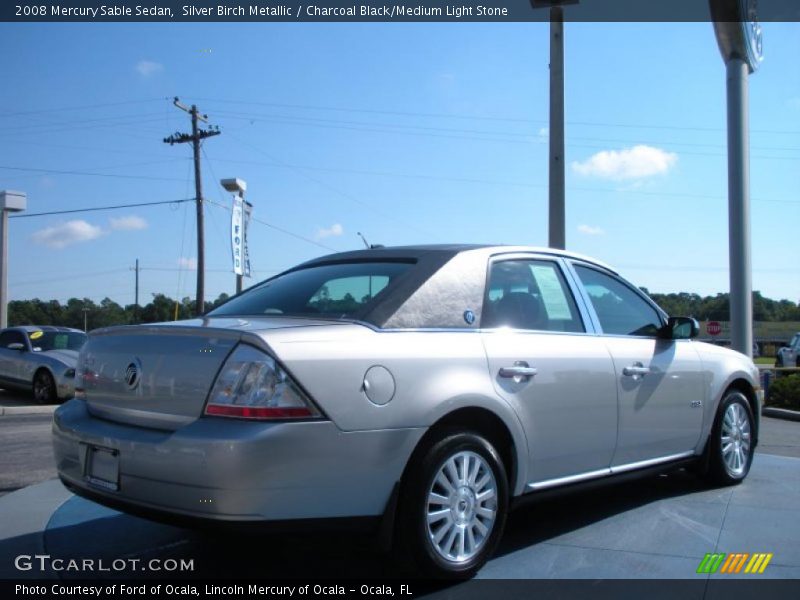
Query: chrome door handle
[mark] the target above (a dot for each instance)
(520, 372)
(636, 370)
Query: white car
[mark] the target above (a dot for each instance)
(789, 356)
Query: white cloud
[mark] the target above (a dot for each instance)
(590, 230)
(629, 163)
(334, 230)
(187, 263)
(128, 223)
(145, 68)
(71, 232)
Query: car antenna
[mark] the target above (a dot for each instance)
(367, 244)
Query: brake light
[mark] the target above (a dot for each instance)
(251, 385)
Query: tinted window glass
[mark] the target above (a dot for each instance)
(332, 291)
(619, 308)
(11, 337)
(529, 294)
(56, 340)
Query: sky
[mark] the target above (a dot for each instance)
(407, 133)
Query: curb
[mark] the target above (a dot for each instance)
(28, 410)
(781, 413)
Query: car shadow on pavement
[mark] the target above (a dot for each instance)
(81, 529)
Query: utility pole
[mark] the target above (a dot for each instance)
(195, 137)
(136, 305)
(556, 230)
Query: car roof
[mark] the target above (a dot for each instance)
(445, 250)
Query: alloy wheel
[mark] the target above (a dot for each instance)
(461, 506)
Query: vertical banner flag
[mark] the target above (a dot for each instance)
(248, 210)
(237, 234)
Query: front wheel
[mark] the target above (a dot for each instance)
(44, 388)
(454, 505)
(731, 445)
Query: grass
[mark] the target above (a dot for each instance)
(765, 360)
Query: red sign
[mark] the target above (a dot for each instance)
(714, 328)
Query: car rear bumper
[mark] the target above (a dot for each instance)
(233, 470)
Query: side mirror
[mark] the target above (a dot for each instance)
(16, 346)
(680, 328)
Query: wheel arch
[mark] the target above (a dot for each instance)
(744, 386)
(479, 420)
(49, 371)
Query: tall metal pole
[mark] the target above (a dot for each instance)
(136, 313)
(198, 186)
(240, 277)
(741, 297)
(9, 202)
(3, 269)
(557, 234)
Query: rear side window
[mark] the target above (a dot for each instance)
(529, 294)
(338, 291)
(620, 310)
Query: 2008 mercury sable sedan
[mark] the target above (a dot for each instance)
(424, 387)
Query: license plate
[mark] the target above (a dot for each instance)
(102, 468)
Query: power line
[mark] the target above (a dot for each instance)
(82, 107)
(89, 174)
(332, 188)
(524, 184)
(276, 228)
(97, 208)
(520, 134)
(481, 117)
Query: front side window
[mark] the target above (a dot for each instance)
(11, 337)
(337, 291)
(620, 310)
(529, 294)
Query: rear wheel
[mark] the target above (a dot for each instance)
(44, 387)
(453, 506)
(731, 444)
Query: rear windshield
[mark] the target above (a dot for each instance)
(334, 291)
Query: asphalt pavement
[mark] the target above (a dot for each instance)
(659, 527)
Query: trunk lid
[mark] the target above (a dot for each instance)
(160, 375)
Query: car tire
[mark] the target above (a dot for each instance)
(44, 387)
(453, 506)
(732, 440)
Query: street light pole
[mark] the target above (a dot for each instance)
(740, 43)
(238, 238)
(9, 202)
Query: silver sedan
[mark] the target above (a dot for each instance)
(420, 390)
(40, 360)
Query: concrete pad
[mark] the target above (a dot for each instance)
(653, 528)
(25, 515)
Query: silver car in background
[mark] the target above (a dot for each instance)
(40, 360)
(425, 388)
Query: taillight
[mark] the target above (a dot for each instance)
(251, 385)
